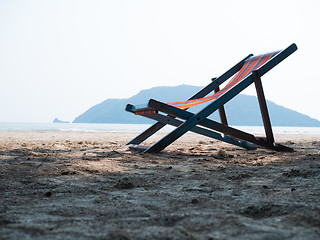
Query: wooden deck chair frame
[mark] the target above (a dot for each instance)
(185, 121)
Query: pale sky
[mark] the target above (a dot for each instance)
(59, 58)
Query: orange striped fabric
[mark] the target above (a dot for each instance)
(250, 65)
(143, 112)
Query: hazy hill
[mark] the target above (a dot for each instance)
(243, 110)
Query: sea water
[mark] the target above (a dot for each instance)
(95, 127)
(73, 127)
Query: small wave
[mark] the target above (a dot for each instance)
(101, 127)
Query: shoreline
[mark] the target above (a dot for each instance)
(4, 135)
(123, 128)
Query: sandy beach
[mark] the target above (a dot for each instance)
(85, 185)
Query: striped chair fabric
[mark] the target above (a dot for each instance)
(250, 65)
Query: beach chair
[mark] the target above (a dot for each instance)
(243, 74)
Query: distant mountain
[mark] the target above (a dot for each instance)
(57, 120)
(243, 110)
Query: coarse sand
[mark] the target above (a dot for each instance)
(85, 185)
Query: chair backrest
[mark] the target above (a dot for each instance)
(251, 64)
